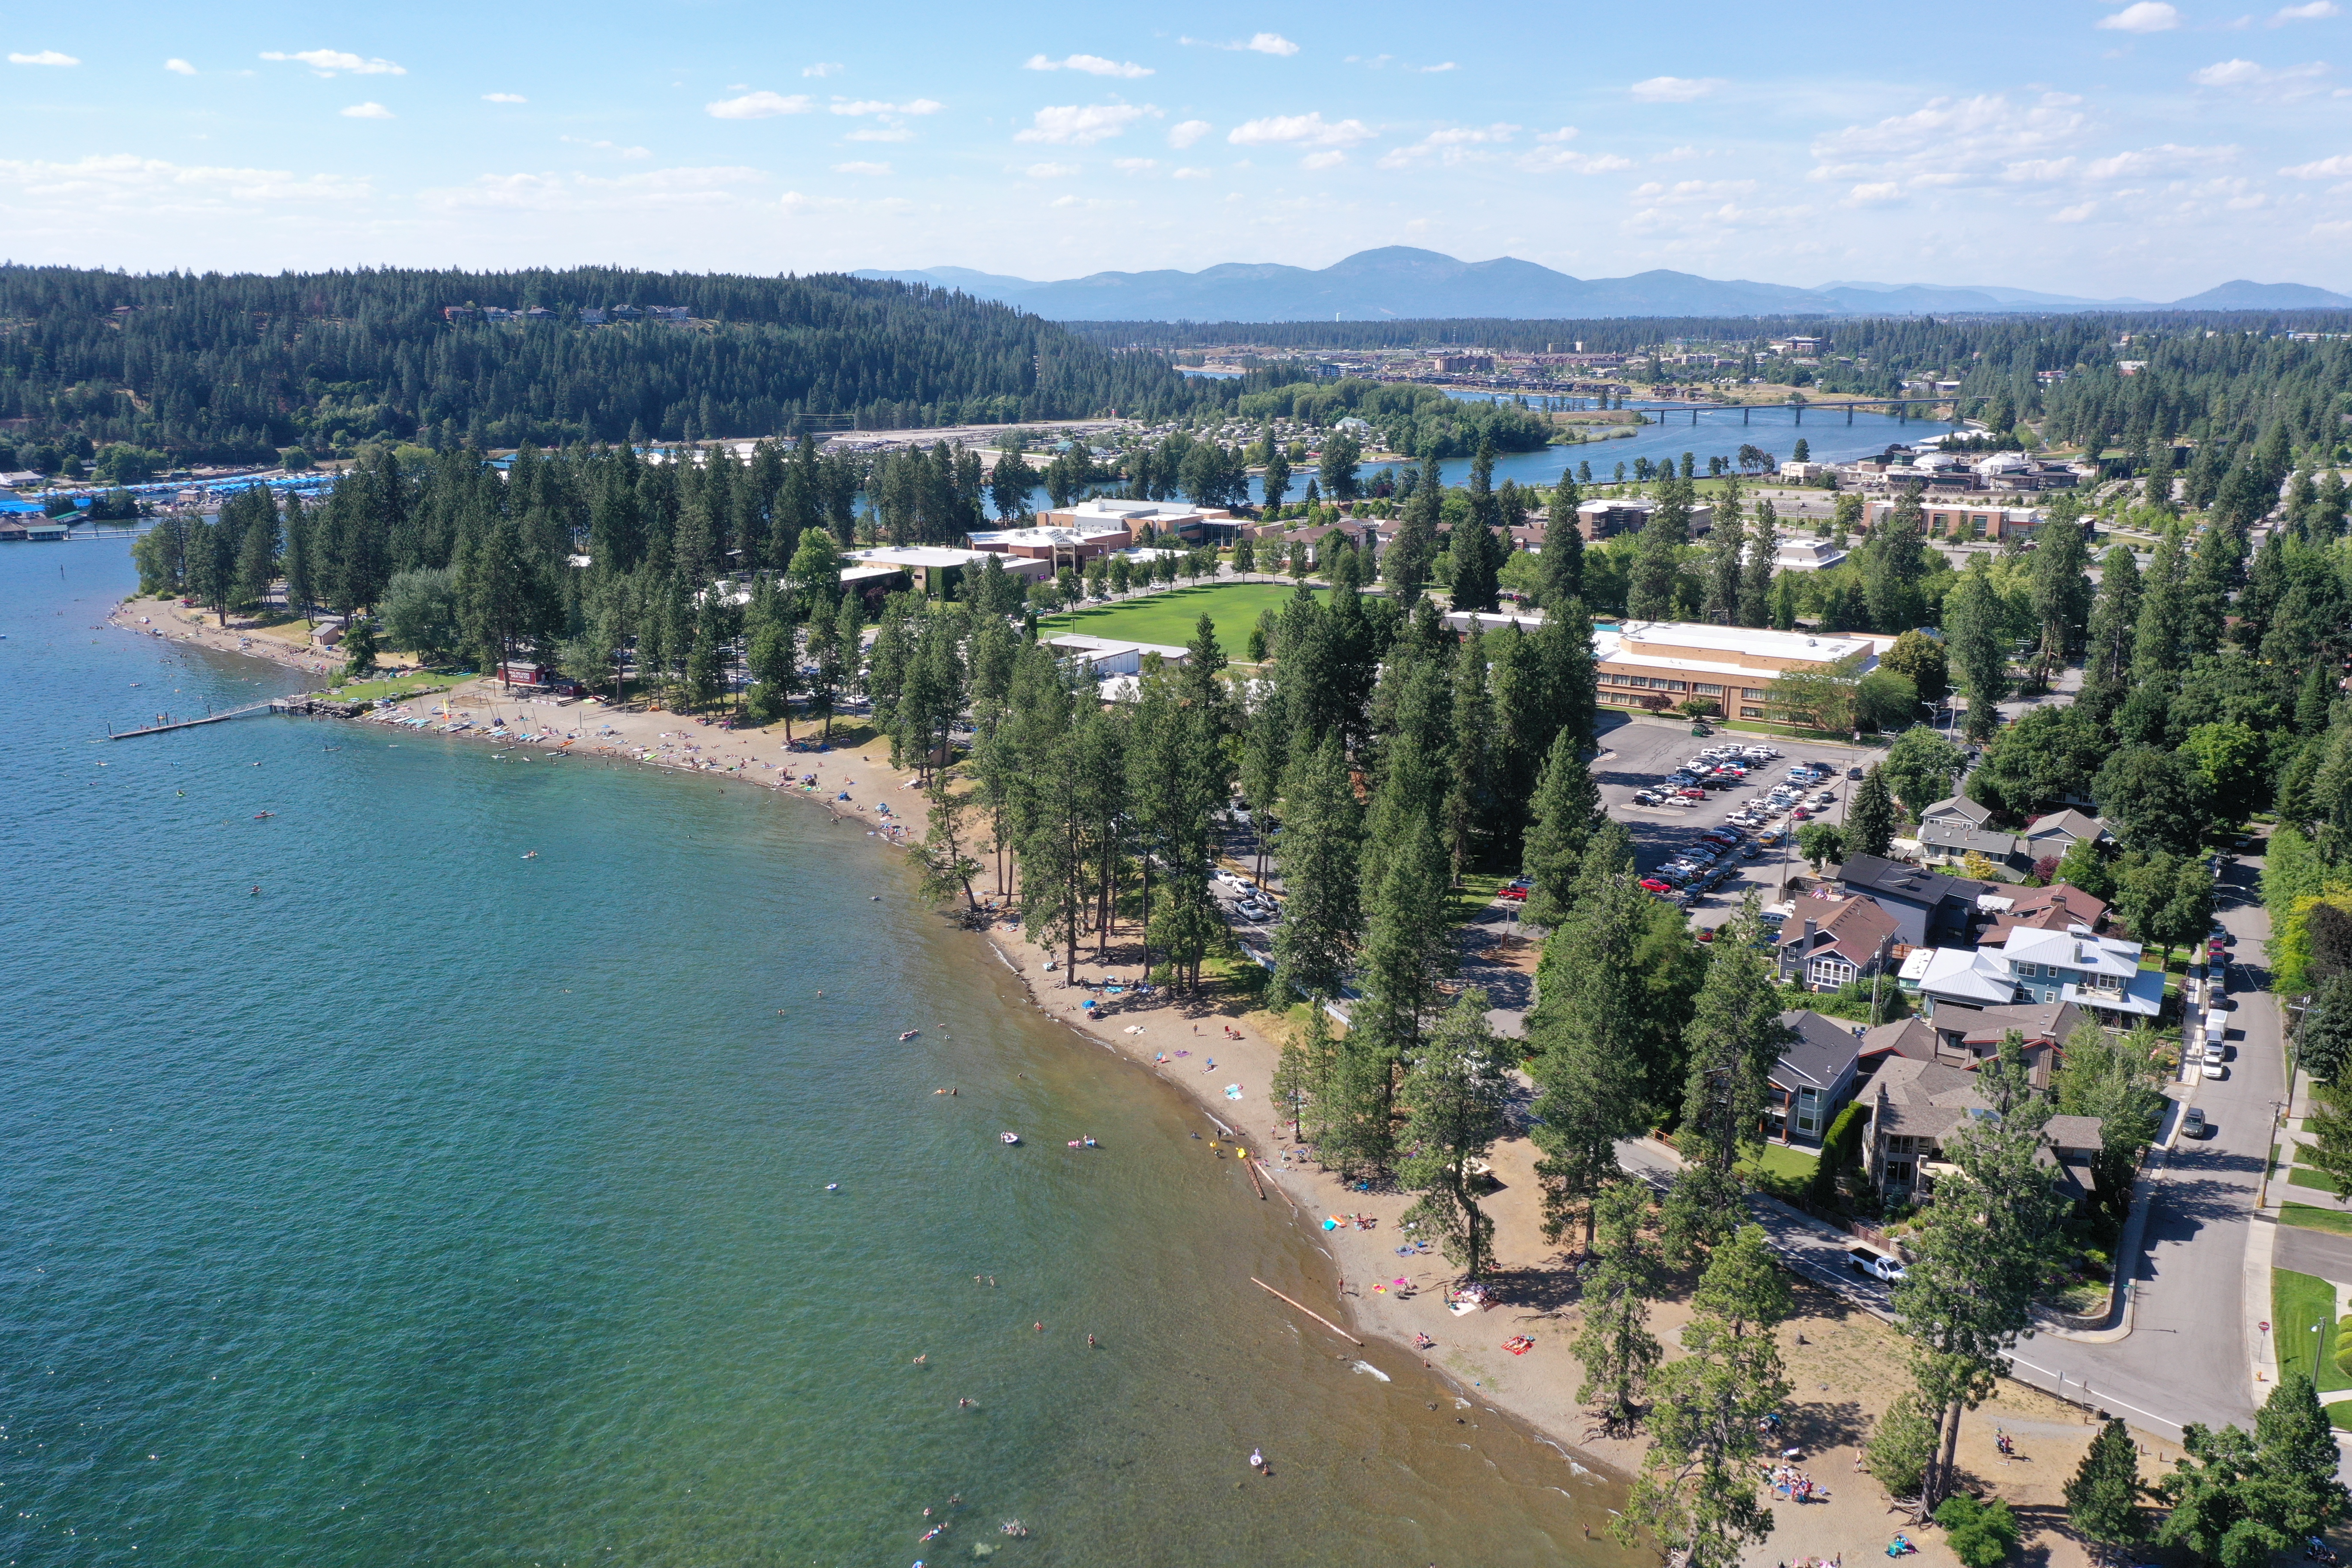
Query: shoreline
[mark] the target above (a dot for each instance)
(1845, 1367)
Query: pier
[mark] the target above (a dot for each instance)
(272, 704)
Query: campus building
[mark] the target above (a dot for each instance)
(1733, 666)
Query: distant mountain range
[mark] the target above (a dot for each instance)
(1400, 282)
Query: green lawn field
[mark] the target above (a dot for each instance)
(1167, 616)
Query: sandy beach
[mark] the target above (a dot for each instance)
(1845, 1365)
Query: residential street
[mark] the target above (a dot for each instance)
(2189, 1356)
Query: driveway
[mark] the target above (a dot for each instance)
(2189, 1356)
(2314, 1252)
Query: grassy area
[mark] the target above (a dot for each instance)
(1168, 617)
(397, 686)
(2309, 1216)
(1785, 1172)
(2314, 1180)
(2340, 1413)
(2303, 1328)
(1478, 890)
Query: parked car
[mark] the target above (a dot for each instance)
(1825, 798)
(2213, 1067)
(1875, 1265)
(1645, 797)
(1517, 891)
(2193, 1123)
(1749, 852)
(1657, 885)
(1853, 773)
(1690, 793)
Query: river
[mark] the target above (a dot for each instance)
(379, 1195)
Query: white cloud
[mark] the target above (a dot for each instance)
(1082, 124)
(1185, 134)
(2147, 162)
(2317, 10)
(664, 190)
(1674, 89)
(178, 67)
(1683, 191)
(1455, 144)
(2076, 214)
(1432, 70)
(46, 57)
(2298, 80)
(2336, 168)
(2143, 16)
(1310, 129)
(1556, 159)
(875, 106)
(369, 111)
(1323, 160)
(1050, 171)
(881, 133)
(1565, 134)
(1093, 64)
(862, 169)
(1135, 165)
(152, 185)
(613, 147)
(1191, 173)
(504, 98)
(760, 105)
(1675, 155)
(824, 68)
(1876, 194)
(1259, 43)
(327, 62)
(1950, 141)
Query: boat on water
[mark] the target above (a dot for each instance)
(1009, 1137)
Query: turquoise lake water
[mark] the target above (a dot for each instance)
(436, 1205)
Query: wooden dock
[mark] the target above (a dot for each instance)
(286, 704)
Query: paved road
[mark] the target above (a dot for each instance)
(2314, 1252)
(2188, 1357)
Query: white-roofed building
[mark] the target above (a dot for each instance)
(1733, 666)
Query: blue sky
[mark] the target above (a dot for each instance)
(2149, 148)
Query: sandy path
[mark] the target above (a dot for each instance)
(1846, 1365)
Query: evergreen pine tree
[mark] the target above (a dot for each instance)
(1871, 820)
(1755, 569)
(1615, 1347)
(1567, 807)
(2102, 1498)
(1590, 1029)
(1563, 547)
(1454, 1095)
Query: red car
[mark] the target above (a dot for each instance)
(1653, 885)
(1514, 892)
(1801, 814)
(1692, 793)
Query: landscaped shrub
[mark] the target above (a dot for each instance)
(1980, 1534)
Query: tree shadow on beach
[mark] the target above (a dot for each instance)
(1545, 1290)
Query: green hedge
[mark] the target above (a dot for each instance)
(1841, 1151)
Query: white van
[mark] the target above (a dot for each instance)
(2217, 1025)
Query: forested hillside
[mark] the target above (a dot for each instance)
(235, 368)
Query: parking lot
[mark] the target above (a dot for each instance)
(1637, 754)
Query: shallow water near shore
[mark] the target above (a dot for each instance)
(435, 1204)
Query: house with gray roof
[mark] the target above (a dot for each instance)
(1917, 1105)
(1928, 906)
(1814, 1077)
